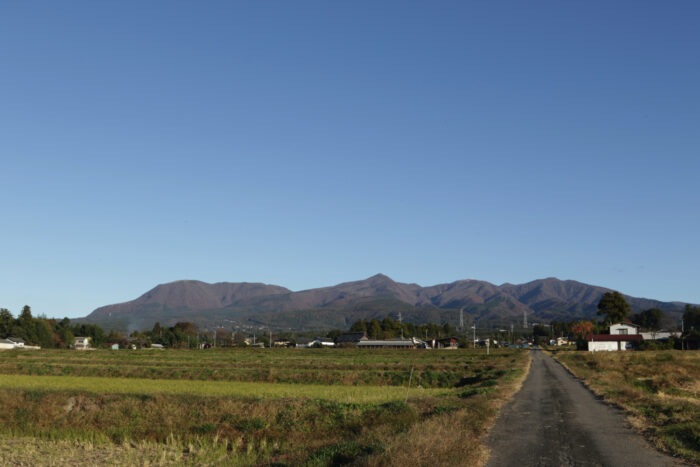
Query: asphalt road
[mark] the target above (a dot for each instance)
(555, 421)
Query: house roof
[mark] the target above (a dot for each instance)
(615, 337)
(16, 340)
(350, 337)
(387, 343)
(625, 323)
(6, 341)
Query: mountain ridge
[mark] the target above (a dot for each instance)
(258, 304)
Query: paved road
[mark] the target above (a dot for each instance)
(555, 421)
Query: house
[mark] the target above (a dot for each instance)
(6, 344)
(114, 347)
(158, 346)
(350, 339)
(624, 329)
(622, 337)
(19, 342)
(281, 343)
(447, 343)
(81, 343)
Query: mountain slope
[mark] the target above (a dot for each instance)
(255, 304)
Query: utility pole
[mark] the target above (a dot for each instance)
(474, 336)
(461, 319)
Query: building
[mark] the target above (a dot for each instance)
(624, 329)
(6, 344)
(411, 343)
(447, 343)
(622, 337)
(660, 335)
(19, 342)
(350, 339)
(81, 343)
(157, 346)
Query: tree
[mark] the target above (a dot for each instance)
(650, 319)
(614, 306)
(6, 321)
(582, 331)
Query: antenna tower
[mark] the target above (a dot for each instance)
(524, 319)
(461, 318)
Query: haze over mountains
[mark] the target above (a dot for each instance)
(249, 305)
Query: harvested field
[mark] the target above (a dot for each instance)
(258, 406)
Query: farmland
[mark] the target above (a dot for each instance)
(660, 390)
(254, 406)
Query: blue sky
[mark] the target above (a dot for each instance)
(310, 143)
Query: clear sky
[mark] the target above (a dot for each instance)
(309, 143)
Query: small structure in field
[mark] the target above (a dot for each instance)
(447, 343)
(6, 344)
(18, 341)
(81, 343)
(114, 347)
(158, 346)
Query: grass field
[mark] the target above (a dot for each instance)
(659, 389)
(254, 406)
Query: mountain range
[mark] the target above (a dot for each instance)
(247, 306)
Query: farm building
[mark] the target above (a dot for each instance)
(411, 343)
(81, 343)
(659, 335)
(19, 342)
(6, 344)
(350, 339)
(446, 343)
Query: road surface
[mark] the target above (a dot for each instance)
(555, 421)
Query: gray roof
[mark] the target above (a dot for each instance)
(16, 340)
(6, 341)
(386, 343)
(350, 337)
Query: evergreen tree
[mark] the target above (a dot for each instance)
(614, 306)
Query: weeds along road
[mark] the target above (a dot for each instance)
(555, 421)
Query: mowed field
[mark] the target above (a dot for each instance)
(660, 391)
(253, 406)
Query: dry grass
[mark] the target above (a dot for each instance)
(659, 390)
(214, 422)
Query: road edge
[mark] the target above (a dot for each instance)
(510, 393)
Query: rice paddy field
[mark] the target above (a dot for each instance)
(252, 406)
(660, 390)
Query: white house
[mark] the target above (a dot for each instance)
(624, 329)
(81, 343)
(621, 337)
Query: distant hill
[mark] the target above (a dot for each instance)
(253, 305)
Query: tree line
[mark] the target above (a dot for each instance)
(47, 333)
